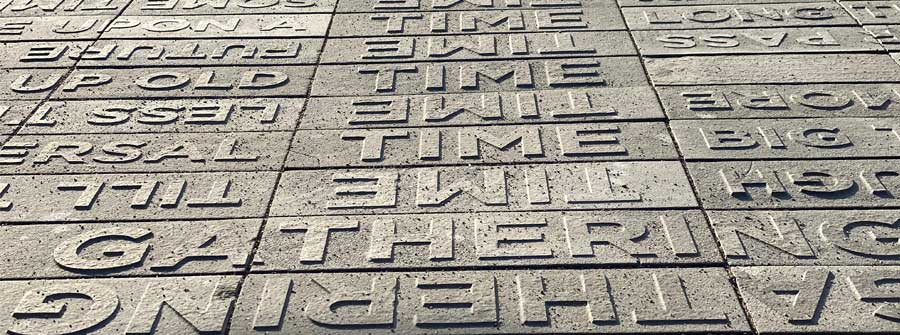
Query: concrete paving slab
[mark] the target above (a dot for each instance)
(375, 6)
(159, 116)
(111, 153)
(478, 47)
(52, 28)
(820, 299)
(471, 189)
(30, 84)
(127, 248)
(887, 35)
(873, 12)
(188, 82)
(796, 184)
(475, 145)
(34, 8)
(25, 55)
(14, 113)
(475, 22)
(174, 305)
(200, 52)
(755, 41)
(89, 197)
(498, 302)
(738, 16)
(654, 3)
(217, 26)
(781, 101)
(773, 69)
(488, 76)
(227, 7)
(480, 240)
(787, 138)
(530, 107)
(823, 237)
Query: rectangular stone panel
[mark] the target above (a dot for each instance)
(57, 198)
(160, 116)
(109, 153)
(788, 138)
(200, 52)
(143, 248)
(887, 35)
(836, 299)
(824, 237)
(374, 6)
(487, 76)
(23, 55)
(173, 305)
(13, 114)
(797, 184)
(475, 22)
(186, 82)
(781, 101)
(495, 188)
(218, 26)
(227, 7)
(874, 12)
(531, 107)
(496, 302)
(481, 145)
(474, 240)
(754, 41)
(52, 28)
(478, 47)
(653, 3)
(738, 16)
(773, 69)
(29, 84)
(36, 8)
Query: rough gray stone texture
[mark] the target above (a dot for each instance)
(217, 26)
(787, 138)
(37, 8)
(112, 153)
(472, 22)
(13, 114)
(873, 12)
(472, 189)
(474, 145)
(31, 84)
(52, 28)
(497, 302)
(781, 101)
(654, 3)
(488, 76)
(126, 248)
(228, 7)
(820, 299)
(28, 55)
(173, 305)
(528, 107)
(199, 52)
(374, 6)
(476, 240)
(773, 69)
(847, 184)
(395, 49)
(887, 35)
(186, 82)
(58, 198)
(155, 116)
(754, 41)
(738, 16)
(823, 237)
